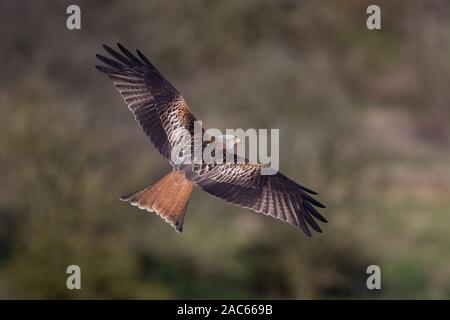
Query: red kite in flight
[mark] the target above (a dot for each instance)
(161, 110)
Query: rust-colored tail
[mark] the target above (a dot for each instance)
(168, 197)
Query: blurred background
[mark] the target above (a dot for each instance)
(363, 117)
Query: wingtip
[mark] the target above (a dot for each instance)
(100, 68)
(320, 205)
(108, 48)
(308, 190)
(104, 69)
(314, 201)
(306, 230)
(101, 57)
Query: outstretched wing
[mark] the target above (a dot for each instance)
(155, 103)
(276, 195)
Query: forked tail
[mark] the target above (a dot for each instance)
(168, 197)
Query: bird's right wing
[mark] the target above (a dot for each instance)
(275, 195)
(155, 103)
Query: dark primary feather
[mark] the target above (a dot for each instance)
(131, 56)
(242, 184)
(119, 57)
(155, 103)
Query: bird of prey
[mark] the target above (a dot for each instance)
(160, 110)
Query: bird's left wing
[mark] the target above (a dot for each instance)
(276, 195)
(155, 103)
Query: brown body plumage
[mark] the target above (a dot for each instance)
(161, 110)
